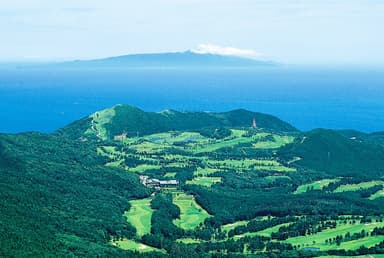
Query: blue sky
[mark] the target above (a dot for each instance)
(290, 31)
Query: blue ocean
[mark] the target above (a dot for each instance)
(45, 99)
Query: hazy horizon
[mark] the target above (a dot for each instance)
(292, 32)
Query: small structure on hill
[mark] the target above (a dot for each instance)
(120, 137)
(254, 125)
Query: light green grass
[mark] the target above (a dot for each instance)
(99, 120)
(191, 214)
(143, 167)
(266, 232)
(317, 185)
(341, 229)
(378, 194)
(172, 137)
(220, 144)
(204, 171)
(139, 215)
(278, 142)
(131, 245)
(204, 181)
(255, 164)
(149, 147)
(170, 174)
(357, 187)
(231, 226)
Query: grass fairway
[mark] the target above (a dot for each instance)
(143, 167)
(278, 142)
(191, 214)
(131, 245)
(139, 215)
(204, 181)
(204, 171)
(356, 187)
(378, 194)
(231, 226)
(266, 232)
(318, 240)
(317, 185)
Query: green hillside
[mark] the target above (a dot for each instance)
(190, 184)
(121, 119)
(330, 151)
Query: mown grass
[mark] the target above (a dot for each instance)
(143, 167)
(139, 215)
(357, 187)
(279, 141)
(378, 194)
(204, 181)
(191, 214)
(204, 171)
(317, 185)
(318, 240)
(127, 244)
(231, 226)
(170, 174)
(266, 232)
(255, 164)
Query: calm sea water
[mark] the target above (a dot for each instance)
(45, 99)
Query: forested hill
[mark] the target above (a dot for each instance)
(120, 119)
(345, 153)
(58, 199)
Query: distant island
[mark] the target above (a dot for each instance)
(172, 59)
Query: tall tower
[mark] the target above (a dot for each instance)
(254, 123)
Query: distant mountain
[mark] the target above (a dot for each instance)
(176, 59)
(124, 118)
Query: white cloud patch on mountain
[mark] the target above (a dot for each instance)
(225, 51)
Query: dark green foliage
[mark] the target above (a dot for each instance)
(217, 133)
(165, 212)
(57, 199)
(329, 151)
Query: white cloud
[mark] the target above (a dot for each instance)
(225, 51)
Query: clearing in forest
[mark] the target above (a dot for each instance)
(318, 240)
(127, 244)
(357, 187)
(139, 215)
(191, 214)
(317, 185)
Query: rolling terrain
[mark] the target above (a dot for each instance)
(125, 182)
